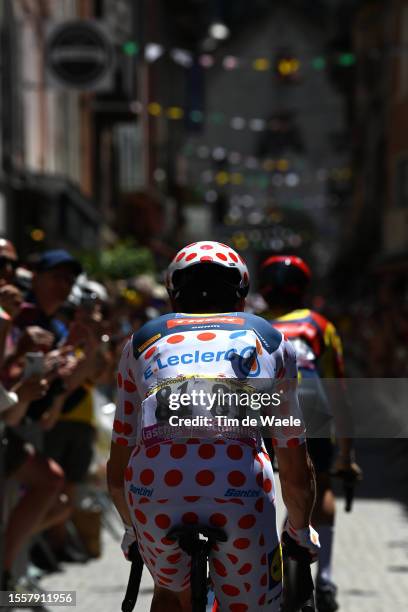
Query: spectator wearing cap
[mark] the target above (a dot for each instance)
(54, 273)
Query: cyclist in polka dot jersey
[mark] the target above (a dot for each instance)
(158, 482)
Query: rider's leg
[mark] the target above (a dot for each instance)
(323, 519)
(165, 600)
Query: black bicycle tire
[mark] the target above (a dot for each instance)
(290, 579)
(135, 576)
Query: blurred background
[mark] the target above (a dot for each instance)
(129, 128)
(271, 126)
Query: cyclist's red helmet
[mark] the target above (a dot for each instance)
(205, 268)
(284, 275)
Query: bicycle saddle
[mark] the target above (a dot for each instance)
(189, 535)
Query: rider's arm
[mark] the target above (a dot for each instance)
(124, 437)
(118, 460)
(334, 370)
(295, 468)
(298, 484)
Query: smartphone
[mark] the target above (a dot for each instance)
(34, 364)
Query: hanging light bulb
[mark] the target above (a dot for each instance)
(219, 31)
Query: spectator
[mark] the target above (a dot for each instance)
(70, 436)
(42, 479)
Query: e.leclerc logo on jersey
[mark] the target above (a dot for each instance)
(245, 361)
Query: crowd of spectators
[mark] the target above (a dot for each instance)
(61, 335)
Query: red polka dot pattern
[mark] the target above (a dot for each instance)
(169, 570)
(204, 478)
(117, 426)
(206, 336)
(175, 339)
(121, 441)
(267, 485)
(173, 478)
(236, 479)
(146, 477)
(177, 451)
(140, 517)
(150, 352)
(128, 407)
(162, 521)
(241, 543)
(230, 590)
(218, 520)
(245, 569)
(222, 256)
(206, 451)
(148, 536)
(129, 386)
(153, 451)
(189, 517)
(220, 568)
(127, 429)
(238, 607)
(234, 452)
(247, 521)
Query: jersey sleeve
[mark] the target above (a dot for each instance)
(292, 434)
(128, 402)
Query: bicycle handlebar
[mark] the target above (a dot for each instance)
(349, 484)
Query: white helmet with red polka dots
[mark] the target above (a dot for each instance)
(214, 253)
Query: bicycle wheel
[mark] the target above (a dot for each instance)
(298, 587)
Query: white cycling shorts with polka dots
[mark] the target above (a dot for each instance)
(228, 485)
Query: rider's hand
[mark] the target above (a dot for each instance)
(129, 537)
(345, 468)
(306, 537)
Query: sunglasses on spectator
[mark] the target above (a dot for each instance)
(7, 261)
